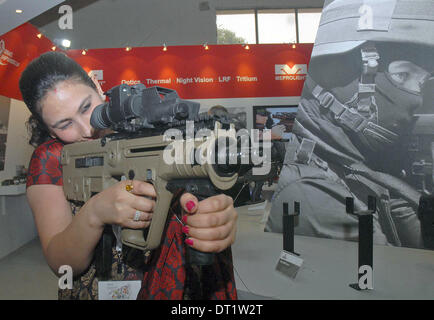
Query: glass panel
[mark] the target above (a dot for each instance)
(236, 27)
(308, 22)
(276, 26)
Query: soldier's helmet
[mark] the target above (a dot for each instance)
(375, 41)
(399, 29)
(346, 24)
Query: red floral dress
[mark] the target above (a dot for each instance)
(164, 273)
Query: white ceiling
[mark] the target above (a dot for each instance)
(136, 23)
(9, 19)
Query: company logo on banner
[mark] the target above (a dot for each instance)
(98, 75)
(6, 55)
(284, 72)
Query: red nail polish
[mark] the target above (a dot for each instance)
(190, 205)
(189, 242)
(184, 218)
(185, 229)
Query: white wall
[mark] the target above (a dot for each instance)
(17, 226)
(18, 150)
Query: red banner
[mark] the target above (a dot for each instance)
(17, 48)
(223, 71)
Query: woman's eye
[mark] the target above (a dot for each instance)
(85, 108)
(65, 126)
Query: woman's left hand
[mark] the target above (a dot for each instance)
(210, 224)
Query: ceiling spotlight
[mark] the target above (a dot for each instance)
(246, 47)
(206, 46)
(39, 35)
(164, 47)
(19, 11)
(128, 48)
(84, 52)
(66, 43)
(53, 48)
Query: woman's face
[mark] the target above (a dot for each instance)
(66, 111)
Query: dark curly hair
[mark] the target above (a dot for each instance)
(40, 76)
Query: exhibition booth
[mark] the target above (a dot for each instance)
(349, 212)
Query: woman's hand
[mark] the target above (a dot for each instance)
(210, 224)
(116, 205)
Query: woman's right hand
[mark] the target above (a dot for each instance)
(116, 205)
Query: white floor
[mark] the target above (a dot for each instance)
(25, 275)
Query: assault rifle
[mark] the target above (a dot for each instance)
(143, 149)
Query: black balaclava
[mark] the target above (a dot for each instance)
(396, 105)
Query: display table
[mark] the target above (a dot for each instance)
(17, 226)
(13, 190)
(328, 269)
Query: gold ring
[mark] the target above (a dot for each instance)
(129, 187)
